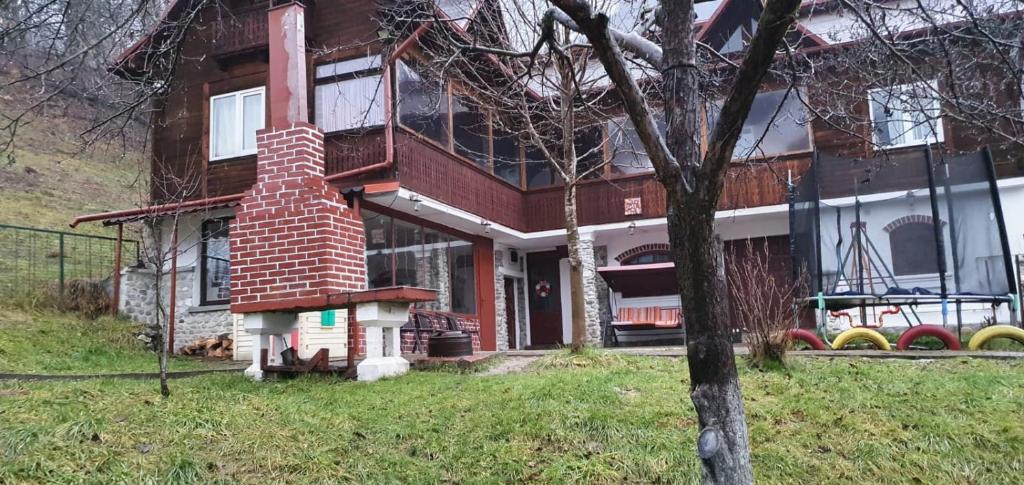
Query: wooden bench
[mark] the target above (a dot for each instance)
(648, 322)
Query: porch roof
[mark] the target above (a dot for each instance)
(635, 280)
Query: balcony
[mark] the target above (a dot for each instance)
(243, 32)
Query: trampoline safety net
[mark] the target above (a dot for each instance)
(886, 226)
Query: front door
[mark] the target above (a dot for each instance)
(544, 293)
(510, 311)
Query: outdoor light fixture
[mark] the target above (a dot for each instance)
(415, 199)
(632, 228)
(487, 226)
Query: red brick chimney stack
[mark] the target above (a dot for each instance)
(294, 238)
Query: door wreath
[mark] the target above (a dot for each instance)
(542, 288)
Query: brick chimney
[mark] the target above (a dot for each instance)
(294, 239)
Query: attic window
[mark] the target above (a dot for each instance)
(348, 94)
(906, 115)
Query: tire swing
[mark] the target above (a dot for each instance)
(861, 333)
(918, 331)
(807, 337)
(986, 334)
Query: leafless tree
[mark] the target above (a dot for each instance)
(547, 92)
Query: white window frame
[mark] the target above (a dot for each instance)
(935, 136)
(239, 119)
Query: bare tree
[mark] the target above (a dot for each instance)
(537, 81)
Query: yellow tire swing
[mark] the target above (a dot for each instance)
(978, 340)
(861, 333)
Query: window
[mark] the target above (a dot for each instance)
(649, 257)
(627, 151)
(215, 264)
(785, 119)
(422, 104)
(234, 119)
(405, 253)
(905, 115)
(539, 172)
(471, 131)
(589, 145)
(913, 249)
(348, 94)
(506, 156)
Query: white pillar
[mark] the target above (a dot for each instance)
(381, 322)
(264, 326)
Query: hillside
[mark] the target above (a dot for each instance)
(48, 177)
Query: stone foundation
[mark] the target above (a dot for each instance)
(138, 302)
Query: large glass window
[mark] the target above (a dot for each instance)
(348, 94)
(539, 172)
(589, 145)
(471, 131)
(215, 267)
(506, 156)
(628, 154)
(905, 115)
(422, 104)
(776, 125)
(401, 253)
(234, 120)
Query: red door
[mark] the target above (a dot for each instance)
(544, 293)
(510, 311)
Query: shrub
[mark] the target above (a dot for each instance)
(765, 303)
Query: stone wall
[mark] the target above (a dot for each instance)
(591, 293)
(604, 307)
(138, 297)
(500, 316)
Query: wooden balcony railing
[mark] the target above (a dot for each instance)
(346, 152)
(240, 32)
(435, 173)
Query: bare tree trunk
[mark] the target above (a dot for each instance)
(579, 307)
(569, 169)
(155, 256)
(714, 387)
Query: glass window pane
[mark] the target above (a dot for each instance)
(408, 252)
(628, 154)
(354, 103)
(469, 131)
(538, 170)
(348, 66)
(216, 262)
(506, 156)
(252, 120)
(786, 133)
(589, 151)
(463, 277)
(422, 104)
(378, 249)
(224, 136)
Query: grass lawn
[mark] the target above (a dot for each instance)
(48, 342)
(605, 419)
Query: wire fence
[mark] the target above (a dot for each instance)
(41, 260)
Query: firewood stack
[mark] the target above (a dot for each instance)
(219, 347)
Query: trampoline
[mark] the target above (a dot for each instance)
(901, 232)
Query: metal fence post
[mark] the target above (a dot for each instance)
(60, 261)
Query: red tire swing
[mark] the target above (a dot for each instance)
(807, 337)
(916, 332)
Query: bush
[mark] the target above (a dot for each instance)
(766, 305)
(88, 298)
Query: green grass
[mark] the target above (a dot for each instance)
(48, 342)
(598, 419)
